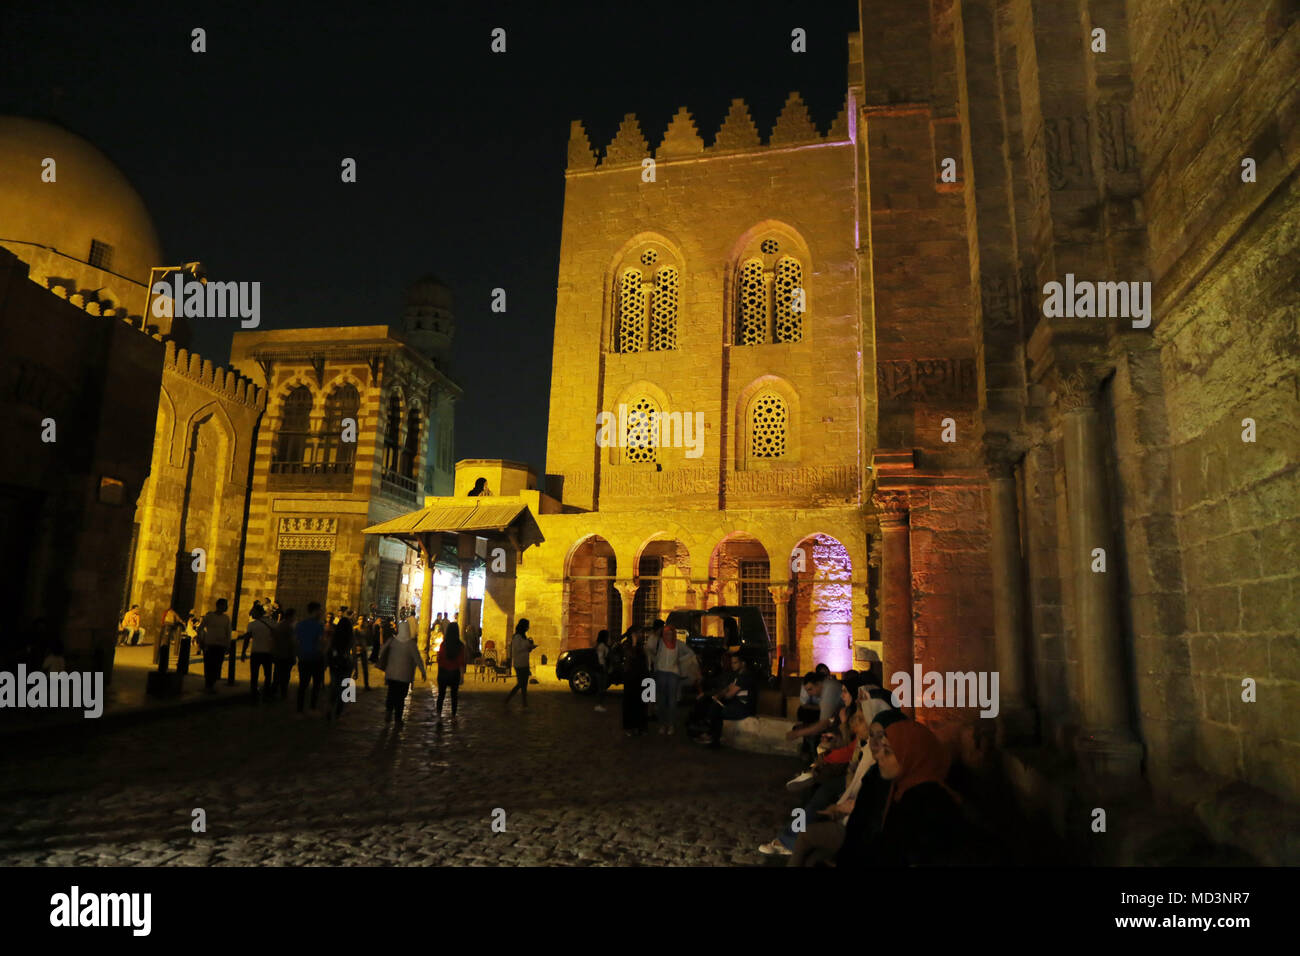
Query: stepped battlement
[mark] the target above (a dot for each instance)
(681, 140)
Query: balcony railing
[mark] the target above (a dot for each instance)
(311, 476)
(399, 486)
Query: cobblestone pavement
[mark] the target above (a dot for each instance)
(284, 791)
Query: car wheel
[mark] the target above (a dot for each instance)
(581, 682)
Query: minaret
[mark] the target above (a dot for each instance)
(428, 322)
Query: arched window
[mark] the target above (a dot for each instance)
(769, 421)
(411, 450)
(771, 300)
(343, 403)
(646, 300)
(641, 438)
(295, 426)
(392, 434)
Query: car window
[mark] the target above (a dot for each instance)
(713, 625)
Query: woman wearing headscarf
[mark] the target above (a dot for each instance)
(862, 825)
(451, 665)
(922, 823)
(823, 838)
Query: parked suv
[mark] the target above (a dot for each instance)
(708, 634)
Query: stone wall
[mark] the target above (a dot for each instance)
(1216, 82)
(705, 210)
(67, 502)
(196, 493)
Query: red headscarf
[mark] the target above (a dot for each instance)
(922, 758)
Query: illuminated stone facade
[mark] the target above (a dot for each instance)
(313, 489)
(724, 300)
(1117, 156)
(195, 496)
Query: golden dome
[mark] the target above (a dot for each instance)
(89, 199)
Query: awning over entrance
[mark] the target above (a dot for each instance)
(483, 519)
(509, 528)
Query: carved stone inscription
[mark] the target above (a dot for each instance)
(925, 380)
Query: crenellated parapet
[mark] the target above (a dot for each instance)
(91, 301)
(738, 133)
(225, 382)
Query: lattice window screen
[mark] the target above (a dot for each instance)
(663, 318)
(631, 312)
(789, 321)
(768, 420)
(640, 444)
(752, 325)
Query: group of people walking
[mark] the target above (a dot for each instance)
(342, 645)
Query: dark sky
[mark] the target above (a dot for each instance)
(460, 152)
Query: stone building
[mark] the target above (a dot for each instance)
(1162, 149)
(189, 525)
(317, 482)
(78, 395)
(205, 508)
(714, 315)
(1097, 501)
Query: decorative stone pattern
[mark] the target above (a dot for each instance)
(768, 420)
(788, 285)
(926, 380)
(753, 304)
(663, 315)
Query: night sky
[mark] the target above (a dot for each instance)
(460, 152)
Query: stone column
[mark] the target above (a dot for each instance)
(1016, 721)
(1105, 742)
(466, 549)
(627, 591)
(430, 544)
(895, 583)
(781, 596)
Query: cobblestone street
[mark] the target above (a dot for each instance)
(284, 791)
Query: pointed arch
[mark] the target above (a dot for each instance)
(165, 428)
(767, 417)
(221, 418)
(768, 295)
(638, 441)
(643, 292)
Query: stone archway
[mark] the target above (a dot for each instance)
(820, 610)
(740, 573)
(663, 574)
(591, 602)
